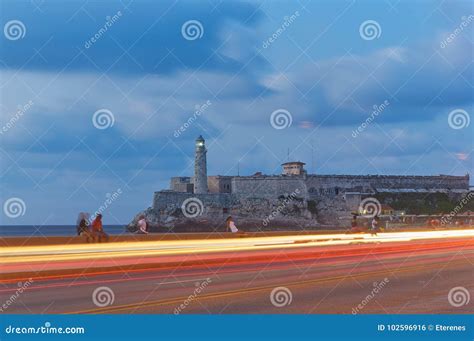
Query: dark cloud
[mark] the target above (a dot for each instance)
(145, 38)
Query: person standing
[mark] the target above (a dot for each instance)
(82, 226)
(142, 225)
(354, 227)
(231, 225)
(375, 226)
(354, 221)
(98, 230)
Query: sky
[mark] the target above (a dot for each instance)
(104, 100)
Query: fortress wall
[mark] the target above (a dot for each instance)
(271, 186)
(316, 199)
(169, 200)
(389, 181)
(181, 184)
(219, 184)
(268, 186)
(343, 182)
(168, 207)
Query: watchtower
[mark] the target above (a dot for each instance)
(200, 167)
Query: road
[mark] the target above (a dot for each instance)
(398, 276)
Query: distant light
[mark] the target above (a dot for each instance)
(462, 156)
(306, 124)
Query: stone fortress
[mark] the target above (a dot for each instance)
(293, 199)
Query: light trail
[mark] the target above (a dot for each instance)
(332, 259)
(250, 259)
(29, 254)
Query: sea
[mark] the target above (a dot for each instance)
(52, 230)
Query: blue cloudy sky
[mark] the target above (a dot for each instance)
(326, 66)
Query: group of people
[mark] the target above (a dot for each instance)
(142, 225)
(92, 232)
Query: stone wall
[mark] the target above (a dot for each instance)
(322, 185)
(333, 185)
(366, 182)
(219, 184)
(268, 186)
(181, 184)
(168, 203)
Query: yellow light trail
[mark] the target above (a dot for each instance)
(23, 254)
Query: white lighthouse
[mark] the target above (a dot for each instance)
(200, 167)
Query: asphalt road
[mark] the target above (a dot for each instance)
(409, 277)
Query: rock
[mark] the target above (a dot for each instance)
(169, 219)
